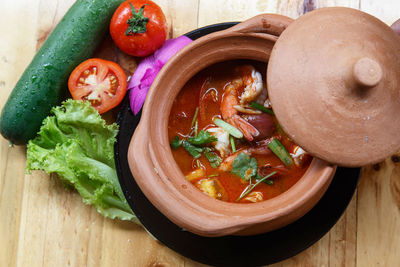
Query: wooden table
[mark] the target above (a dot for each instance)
(42, 224)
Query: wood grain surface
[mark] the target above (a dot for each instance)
(42, 224)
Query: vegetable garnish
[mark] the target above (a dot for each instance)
(176, 142)
(280, 151)
(193, 150)
(252, 186)
(232, 143)
(196, 145)
(77, 144)
(147, 70)
(198, 163)
(261, 108)
(229, 128)
(196, 113)
(213, 158)
(137, 23)
(203, 138)
(244, 166)
(196, 125)
(266, 181)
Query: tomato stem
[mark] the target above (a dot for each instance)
(137, 23)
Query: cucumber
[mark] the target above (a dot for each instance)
(43, 84)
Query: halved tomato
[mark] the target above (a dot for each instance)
(99, 81)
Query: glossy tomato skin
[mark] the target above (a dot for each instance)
(139, 44)
(102, 82)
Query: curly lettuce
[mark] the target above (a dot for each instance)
(78, 145)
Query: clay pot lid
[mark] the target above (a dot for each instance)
(333, 80)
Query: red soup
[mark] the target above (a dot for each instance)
(226, 140)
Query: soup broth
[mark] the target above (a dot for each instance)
(217, 104)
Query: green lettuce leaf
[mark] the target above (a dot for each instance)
(77, 144)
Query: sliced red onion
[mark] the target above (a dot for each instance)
(264, 123)
(148, 69)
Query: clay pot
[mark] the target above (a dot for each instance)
(158, 175)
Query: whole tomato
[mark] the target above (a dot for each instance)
(138, 27)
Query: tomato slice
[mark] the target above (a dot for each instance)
(99, 81)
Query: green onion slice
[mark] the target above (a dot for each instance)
(280, 151)
(261, 108)
(232, 144)
(229, 128)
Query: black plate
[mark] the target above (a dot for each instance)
(231, 250)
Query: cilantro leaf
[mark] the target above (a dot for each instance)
(193, 150)
(202, 138)
(176, 142)
(244, 166)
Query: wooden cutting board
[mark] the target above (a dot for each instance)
(42, 224)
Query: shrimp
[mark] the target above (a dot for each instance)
(231, 114)
(255, 197)
(226, 165)
(299, 156)
(254, 85)
(222, 144)
(254, 90)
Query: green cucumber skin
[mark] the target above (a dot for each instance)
(43, 84)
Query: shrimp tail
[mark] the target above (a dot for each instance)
(248, 130)
(227, 164)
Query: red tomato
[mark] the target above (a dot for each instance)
(99, 81)
(138, 31)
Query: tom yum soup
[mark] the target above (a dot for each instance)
(226, 140)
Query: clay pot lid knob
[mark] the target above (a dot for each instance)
(367, 72)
